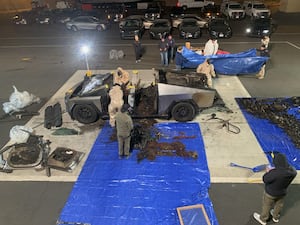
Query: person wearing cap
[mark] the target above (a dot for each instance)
(276, 180)
(124, 126)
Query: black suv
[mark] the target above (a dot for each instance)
(261, 27)
(131, 26)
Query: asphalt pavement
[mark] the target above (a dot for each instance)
(35, 60)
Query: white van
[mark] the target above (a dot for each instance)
(193, 3)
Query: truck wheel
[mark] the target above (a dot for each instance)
(183, 111)
(85, 114)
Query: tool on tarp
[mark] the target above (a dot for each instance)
(225, 123)
(255, 169)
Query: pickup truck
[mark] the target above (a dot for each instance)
(232, 10)
(256, 9)
(178, 96)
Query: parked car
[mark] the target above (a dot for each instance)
(160, 28)
(131, 26)
(189, 28)
(65, 15)
(44, 17)
(23, 18)
(200, 21)
(33, 16)
(211, 11)
(115, 14)
(260, 27)
(153, 12)
(219, 28)
(232, 10)
(176, 12)
(194, 3)
(256, 9)
(87, 23)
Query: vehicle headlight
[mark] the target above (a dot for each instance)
(248, 30)
(265, 31)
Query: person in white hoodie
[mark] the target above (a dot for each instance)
(211, 47)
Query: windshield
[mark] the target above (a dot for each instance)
(235, 6)
(259, 6)
(190, 23)
(132, 23)
(161, 24)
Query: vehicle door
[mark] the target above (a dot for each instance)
(85, 23)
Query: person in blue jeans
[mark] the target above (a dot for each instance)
(172, 47)
(163, 49)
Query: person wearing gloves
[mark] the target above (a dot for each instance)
(208, 69)
(124, 126)
(276, 181)
(211, 47)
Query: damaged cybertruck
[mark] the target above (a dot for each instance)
(174, 95)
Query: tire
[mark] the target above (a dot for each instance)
(183, 111)
(99, 28)
(85, 113)
(74, 28)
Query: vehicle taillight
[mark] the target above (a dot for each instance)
(178, 4)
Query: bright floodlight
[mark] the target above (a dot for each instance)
(85, 49)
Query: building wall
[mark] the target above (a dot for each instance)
(14, 5)
(8, 6)
(289, 6)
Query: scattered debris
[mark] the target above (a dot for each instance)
(284, 112)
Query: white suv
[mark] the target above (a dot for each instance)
(256, 9)
(232, 10)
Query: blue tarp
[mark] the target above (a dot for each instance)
(122, 191)
(273, 138)
(242, 63)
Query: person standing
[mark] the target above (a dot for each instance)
(264, 52)
(137, 49)
(163, 49)
(208, 69)
(116, 102)
(276, 181)
(211, 47)
(179, 59)
(124, 126)
(172, 47)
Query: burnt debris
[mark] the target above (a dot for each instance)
(277, 111)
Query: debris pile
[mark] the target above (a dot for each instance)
(284, 112)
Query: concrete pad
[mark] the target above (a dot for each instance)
(222, 147)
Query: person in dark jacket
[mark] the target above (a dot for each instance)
(124, 125)
(179, 59)
(137, 49)
(172, 47)
(163, 50)
(276, 182)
